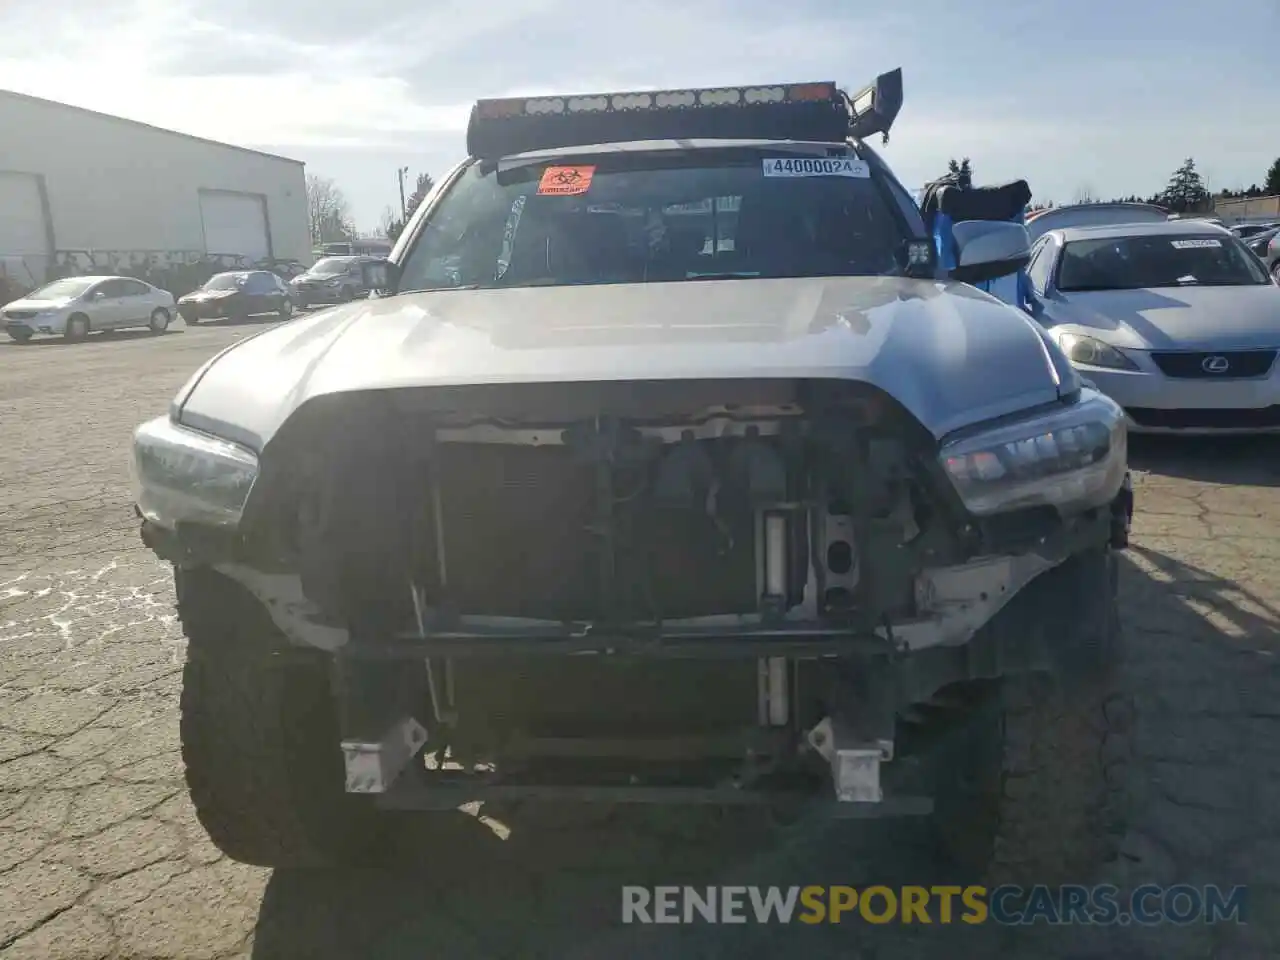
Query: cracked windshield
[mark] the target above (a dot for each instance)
(801, 481)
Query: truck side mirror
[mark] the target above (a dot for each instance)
(381, 275)
(989, 249)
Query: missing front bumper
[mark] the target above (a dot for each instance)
(438, 795)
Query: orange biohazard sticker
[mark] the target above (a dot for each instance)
(565, 181)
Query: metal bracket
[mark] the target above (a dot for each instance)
(374, 767)
(855, 766)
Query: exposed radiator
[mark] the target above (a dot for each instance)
(519, 540)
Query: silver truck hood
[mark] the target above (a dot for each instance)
(950, 354)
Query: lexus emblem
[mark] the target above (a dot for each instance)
(1216, 364)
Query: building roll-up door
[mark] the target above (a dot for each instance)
(24, 233)
(235, 223)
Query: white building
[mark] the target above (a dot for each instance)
(86, 192)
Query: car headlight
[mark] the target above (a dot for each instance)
(1073, 458)
(335, 282)
(1093, 353)
(187, 476)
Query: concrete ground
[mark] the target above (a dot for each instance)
(101, 856)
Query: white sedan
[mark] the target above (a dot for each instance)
(1176, 321)
(73, 306)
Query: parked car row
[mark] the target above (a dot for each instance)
(72, 307)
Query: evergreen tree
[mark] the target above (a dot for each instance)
(1186, 190)
(1272, 184)
(421, 188)
(962, 170)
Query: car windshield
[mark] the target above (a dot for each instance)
(260, 282)
(226, 281)
(331, 265)
(1157, 260)
(631, 218)
(62, 289)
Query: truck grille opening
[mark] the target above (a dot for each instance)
(619, 503)
(522, 539)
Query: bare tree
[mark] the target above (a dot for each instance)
(328, 210)
(388, 223)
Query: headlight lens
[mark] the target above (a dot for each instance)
(1074, 458)
(186, 476)
(1093, 353)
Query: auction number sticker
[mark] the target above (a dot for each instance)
(565, 181)
(1196, 244)
(816, 167)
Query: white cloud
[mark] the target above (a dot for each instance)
(168, 63)
(307, 95)
(360, 90)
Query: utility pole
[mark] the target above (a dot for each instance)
(404, 210)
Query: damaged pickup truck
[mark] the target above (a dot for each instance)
(664, 466)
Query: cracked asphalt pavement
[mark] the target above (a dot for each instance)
(101, 855)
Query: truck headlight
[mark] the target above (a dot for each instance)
(1073, 458)
(187, 476)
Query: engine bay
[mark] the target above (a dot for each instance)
(630, 585)
(751, 506)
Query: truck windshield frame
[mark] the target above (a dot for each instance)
(648, 217)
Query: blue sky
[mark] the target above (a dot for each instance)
(1098, 96)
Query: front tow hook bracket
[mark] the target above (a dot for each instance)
(855, 765)
(372, 767)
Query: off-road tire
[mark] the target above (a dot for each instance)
(260, 739)
(1033, 787)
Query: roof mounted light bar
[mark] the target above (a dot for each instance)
(817, 112)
